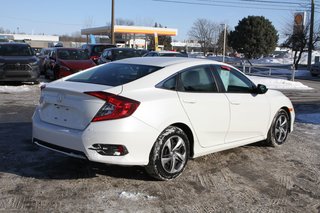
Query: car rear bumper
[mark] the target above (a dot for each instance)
(136, 136)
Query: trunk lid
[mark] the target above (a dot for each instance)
(64, 103)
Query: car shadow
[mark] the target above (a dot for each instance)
(21, 157)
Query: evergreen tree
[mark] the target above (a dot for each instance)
(254, 36)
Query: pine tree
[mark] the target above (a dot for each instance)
(254, 36)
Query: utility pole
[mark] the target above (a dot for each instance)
(310, 46)
(224, 41)
(112, 23)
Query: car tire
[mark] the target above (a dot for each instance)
(314, 75)
(279, 129)
(169, 155)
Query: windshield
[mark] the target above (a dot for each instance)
(72, 54)
(114, 74)
(15, 50)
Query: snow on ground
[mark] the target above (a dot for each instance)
(135, 196)
(286, 59)
(276, 83)
(14, 89)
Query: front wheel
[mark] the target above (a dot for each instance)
(279, 129)
(169, 155)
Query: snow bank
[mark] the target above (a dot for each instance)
(286, 59)
(14, 89)
(275, 83)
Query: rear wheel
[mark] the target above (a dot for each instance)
(279, 129)
(169, 154)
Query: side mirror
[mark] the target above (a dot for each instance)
(261, 89)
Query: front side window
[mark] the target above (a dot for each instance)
(233, 81)
(114, 74)
(197, 79)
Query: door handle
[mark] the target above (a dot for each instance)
(189, 101)
(235, 102)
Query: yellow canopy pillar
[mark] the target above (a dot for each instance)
(156, 41)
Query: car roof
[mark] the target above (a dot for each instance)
(164, 61)
(14, 43)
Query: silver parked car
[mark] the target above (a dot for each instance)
(18, 63)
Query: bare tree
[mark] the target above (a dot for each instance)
(205, 32)
(88, 22)
(298, 41)
(127, 22)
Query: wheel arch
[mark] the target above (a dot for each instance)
(189, 134)
(290, 116)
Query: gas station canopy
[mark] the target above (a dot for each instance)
(130, 30)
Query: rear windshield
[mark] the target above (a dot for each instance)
(114, 74)
(16, 50)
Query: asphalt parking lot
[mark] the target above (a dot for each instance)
(252, 178)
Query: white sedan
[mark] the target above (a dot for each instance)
(158, 112)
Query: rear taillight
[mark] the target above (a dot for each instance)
(115, 107)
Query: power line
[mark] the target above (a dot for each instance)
(273, 7)
(256, 3)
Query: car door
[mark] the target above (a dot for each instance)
(250, 112)
(206, 108)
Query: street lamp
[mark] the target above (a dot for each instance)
(224, 41)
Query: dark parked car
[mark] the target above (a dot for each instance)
(315, 69)
(43, 56)
(142, 52)
(95, 50)
(114, 54)
(18, 63)
(66, 61)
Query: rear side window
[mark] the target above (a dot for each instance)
(114, 74)
(198, 79)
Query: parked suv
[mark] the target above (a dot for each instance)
(95, 50)
(18, 63)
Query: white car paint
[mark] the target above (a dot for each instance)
(217, 121)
